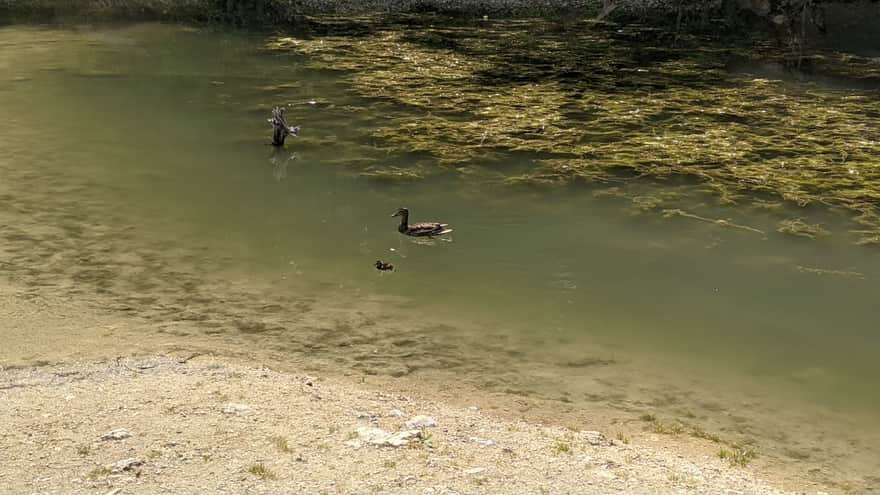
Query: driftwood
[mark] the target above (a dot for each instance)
(281, 128)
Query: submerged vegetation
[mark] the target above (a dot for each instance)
(600, 104)
(797, 227)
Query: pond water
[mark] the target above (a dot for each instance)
(135, 173)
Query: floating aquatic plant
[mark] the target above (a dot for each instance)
(587, 105)
(798, 227)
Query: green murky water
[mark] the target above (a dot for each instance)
(135, 174)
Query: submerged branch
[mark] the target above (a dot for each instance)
(824, 271)
(717, 221)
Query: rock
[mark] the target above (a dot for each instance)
(482, 441)
(594, 438)
(372, 435)
(236, 409)
(125, 465)
(403, 437)
(365, 415)
(604, 473)
(354, 444)
(114, 491)
(377, 436)
(421, 422)
(474, 470)
(396, 413)
(117, 434)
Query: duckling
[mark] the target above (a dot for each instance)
(382, 266)
(424, 229)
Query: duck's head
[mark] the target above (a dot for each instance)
(401, 212)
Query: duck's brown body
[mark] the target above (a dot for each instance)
(424, 229)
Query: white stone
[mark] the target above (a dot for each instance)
(475, 470)
(117, 434)
(482, 441)
(604, 473)
(236, 409)
(421, 422)
(377, 436)
(403, 437)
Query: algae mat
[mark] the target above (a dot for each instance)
(598, 104)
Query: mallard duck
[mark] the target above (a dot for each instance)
(424, 229)
(281, 127)
(382, 266)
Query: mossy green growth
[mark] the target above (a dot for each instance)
(563, 447)
(261, 471)
(98, 473)
(281, 444)
(587, 105)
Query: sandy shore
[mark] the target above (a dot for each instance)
(199, 416)
(166, 424)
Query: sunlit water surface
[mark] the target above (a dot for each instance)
(134, 170)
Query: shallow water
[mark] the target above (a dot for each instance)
(135, 173)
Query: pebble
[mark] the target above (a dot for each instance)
(604, 473)
(594, 438)
(356, 444)
(236, 409)
(117, 434)
(126, 465)
(482, 441)
(396, 413)
(421, 422)
(475, 470)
